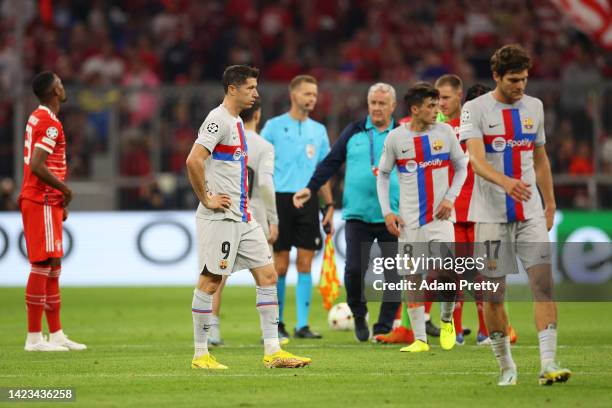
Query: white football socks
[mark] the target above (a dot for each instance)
(500, 344)
(446, 311)
(417, 321)
(267, 306)
(201, 310)
(548, 345)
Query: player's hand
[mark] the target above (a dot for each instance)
(67, 196)
(549, 214)
(273, 236)
(218, 202)
(394, 223)
(444, 210)
(65, 214)
(517, 189)
(300, 198)
(328, 220)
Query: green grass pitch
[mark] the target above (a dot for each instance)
(140, 342)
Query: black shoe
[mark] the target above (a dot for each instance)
(282, 332)
(466, 331)
(305, 333)
(431, 329)
(361, 329)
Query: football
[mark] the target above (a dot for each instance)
(340, 317)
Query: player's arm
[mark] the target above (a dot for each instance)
(40, 169)
(326, 169)
(543, 172)
(383, 186)
(325, 192)
(516, 188)
(544, 181)
(197, 178)
(268, 194)
(459, 161)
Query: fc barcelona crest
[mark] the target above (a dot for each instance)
(223, 264)
(528, 123)
(437, 145)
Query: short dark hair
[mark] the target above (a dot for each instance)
(475, 91)
(237, 75)
(449, 79)
(418, 93)
(510, 59)
(42, 84)
(248, 114)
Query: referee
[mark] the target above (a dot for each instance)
(360, 145)
(300, 144)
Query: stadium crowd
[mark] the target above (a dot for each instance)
(116, 56)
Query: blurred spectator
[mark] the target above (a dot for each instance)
(105, 65)
(97, 101)
(183, 136)
(580, 77)
(606, 155)
(285, 68)
(581, 163)
(142, 84)
(81, 143)
(8, 197)
(135, 155)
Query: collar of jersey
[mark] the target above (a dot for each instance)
(43, 107)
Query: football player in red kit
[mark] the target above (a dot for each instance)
(43, 203)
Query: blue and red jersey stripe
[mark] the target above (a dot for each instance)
(512, 156)
(425, 182)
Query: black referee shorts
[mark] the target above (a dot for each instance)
(298, 227)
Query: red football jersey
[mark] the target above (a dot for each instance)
(44, 131)
(462, 202)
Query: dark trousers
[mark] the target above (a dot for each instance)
(359, 238)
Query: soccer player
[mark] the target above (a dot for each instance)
(262, 199)
(43, 202)
(422, 151)
(360, 146)
(504, 132)
(303, 143)
(451, 93)
(228, 239)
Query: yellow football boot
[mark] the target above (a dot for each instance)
(284, 359)
(416, 347)
(207, 362)
(448, 337)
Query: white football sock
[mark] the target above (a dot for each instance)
(500, 344)
(446, 311)
(34, 338)
(201, 310)
(548, 345)
(267, 306)
(417, 321)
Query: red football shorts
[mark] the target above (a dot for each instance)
(42, 228)
(464, 238)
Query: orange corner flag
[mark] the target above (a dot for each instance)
(329, 285)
